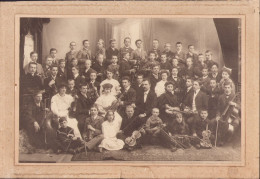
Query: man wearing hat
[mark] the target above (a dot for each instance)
(37, 123)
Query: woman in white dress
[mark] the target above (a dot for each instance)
(107, 101)
(160, 88)
(110, 130)
(60, 104)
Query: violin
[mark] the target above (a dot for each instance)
(116, 103)
(131, 141)
(205, 141)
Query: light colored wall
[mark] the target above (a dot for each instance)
(199, 32)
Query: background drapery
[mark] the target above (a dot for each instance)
(199, 32)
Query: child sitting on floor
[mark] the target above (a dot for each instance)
(66, 140)
(153, 125)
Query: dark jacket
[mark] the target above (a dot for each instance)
(146, 107)
(201, 100)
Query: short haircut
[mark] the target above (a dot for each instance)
(88, 60)
(167, 44)
(112, 40)
(203, 109)
(200, 54)
(156, 65)
(93, 71)
(100, 54)
(138, 40)
(127, 38)
(54, 66)
(190, 59)
(72, 42)
(198, 81)
(94, 106)
(74, 59)
(126, 78)
(32, 63)
(53, 49)
(189, 78)
(62, 119)
(178, 43)
(190, 45)
(69, 80)
(77, 67)
(227, 83)
(175, 68)
(205, 67)
(129, 106)
(156, 109)
(156, 40)
(164, 71)
(84, 41)
(146, 79)
(140, 74)
(33, 53)
(151, 53)
(83, 84)
(62, 60)
(114, 56)
(208, 51)
(62, 85)
(215, 64)
(214, 79)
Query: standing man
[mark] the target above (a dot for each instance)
(70, 55)
(83, 55)
(111, 51)
(156, 50)
(179, 54)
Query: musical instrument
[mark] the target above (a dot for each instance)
(116, 103)
(174, 110)
(229, 114)
(131, 141)
(205, 141)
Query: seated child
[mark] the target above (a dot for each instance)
(114, 67)
(178, 131)
(92, 133)
(203, 130)
(153, 125)
(109, 130)
(66, 140)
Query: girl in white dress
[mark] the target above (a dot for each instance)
(110, 130)
(105, 102)
(115, 84)
(60, 104)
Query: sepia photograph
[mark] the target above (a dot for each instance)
(117, 89)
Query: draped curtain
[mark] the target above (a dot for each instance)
(229, 36)
(34, 26)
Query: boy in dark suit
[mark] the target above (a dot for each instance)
(215, 73)
(76, 77)
(125, 49)
(111, 51)
(156, 50)
(70, 55)
(93, 84)
(205, 80)
(99, 67)
(125, 68)
(209, 61)
(192, 54)
(167, 51)
(155, 77)
(62, 71)
(164, 64)
(87, 70)
(83, 55)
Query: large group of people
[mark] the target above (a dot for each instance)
(122, 99)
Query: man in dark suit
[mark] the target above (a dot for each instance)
(137, 86)
(31, 81)
(62, 70)
(178, 82)
(51, 83)
(188, 89)
(179, 54)
(76, 77)
(129, 94)
(83, 105)
(145, 102)
(192, 54)
(197, 100)
(154, 76)
(215, 73)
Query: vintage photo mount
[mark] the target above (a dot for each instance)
(11, 166)
(137, 163)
